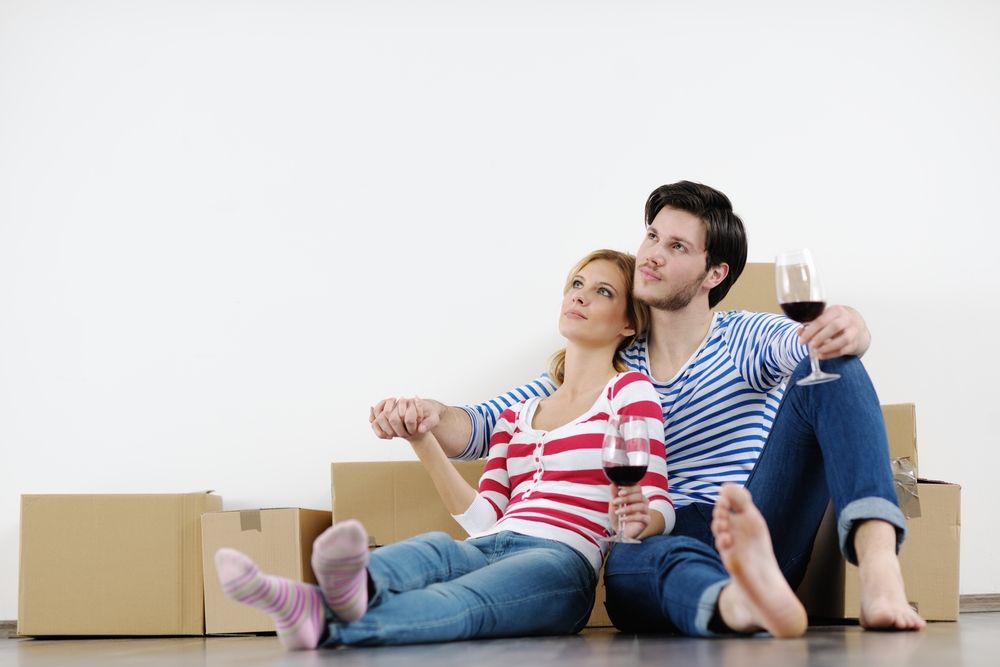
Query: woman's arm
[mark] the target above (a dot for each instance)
(474, 511)
(455, 492)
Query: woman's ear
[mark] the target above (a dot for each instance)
(628, 331)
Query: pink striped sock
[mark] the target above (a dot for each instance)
(340, 561)
(297, 608)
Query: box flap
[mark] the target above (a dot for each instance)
(901, 429)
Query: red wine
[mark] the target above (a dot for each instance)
(803, 311)
(625, 475)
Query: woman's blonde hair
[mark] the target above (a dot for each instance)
(636, 312)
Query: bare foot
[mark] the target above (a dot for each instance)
(758, 595)
(883, 596)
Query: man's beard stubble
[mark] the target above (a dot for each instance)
(679, 299)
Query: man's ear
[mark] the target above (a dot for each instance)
(715, 275)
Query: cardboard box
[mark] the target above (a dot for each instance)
(929, 560)
(112, 564)
(407, 504)
(754, 290)
(395, 499)
(279, 540)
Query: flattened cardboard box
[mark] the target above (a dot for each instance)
(929, 560)
(118, 564)
(407, 504)
(279, 540)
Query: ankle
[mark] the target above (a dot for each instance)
(874, 540)
(730, 614)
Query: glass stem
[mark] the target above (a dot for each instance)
(814, 362)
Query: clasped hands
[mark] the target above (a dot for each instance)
(406, 418)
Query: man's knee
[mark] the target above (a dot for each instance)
(849, 368)
(843, 365)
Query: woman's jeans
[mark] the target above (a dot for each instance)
(433, 588)
(828, 443)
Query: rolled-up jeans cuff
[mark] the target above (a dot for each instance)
(865, 509)
(708, 603)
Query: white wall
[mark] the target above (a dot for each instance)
(227, 228)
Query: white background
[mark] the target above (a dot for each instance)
(227, 228)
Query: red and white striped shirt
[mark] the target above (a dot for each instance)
(551, 484)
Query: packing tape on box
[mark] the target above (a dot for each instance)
(904, 474)
(250, 520)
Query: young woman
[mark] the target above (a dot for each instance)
(538, 524)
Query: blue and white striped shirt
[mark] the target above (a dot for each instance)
(717, 411)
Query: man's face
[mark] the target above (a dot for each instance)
(670, 264)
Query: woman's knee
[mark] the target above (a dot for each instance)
(437, 538)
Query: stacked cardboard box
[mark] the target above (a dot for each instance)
(278, 540)
(112, 564)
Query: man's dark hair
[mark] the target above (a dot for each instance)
(725, 238)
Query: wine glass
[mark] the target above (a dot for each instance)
(801, 297)
(624, 457)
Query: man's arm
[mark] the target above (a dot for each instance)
(767, 347)
(463, 432)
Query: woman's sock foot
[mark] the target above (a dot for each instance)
(296, 608)
(340, 563)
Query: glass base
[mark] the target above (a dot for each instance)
(621, 539)
(818, 378)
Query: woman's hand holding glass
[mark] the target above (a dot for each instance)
(629, 506)
(624, 457)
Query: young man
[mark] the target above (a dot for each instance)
(731, 565)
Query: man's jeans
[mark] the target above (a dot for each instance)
(828, 442)
(433, 588)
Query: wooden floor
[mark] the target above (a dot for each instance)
(973, 641)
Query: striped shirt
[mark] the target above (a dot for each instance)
(717, 411)
(551, 484)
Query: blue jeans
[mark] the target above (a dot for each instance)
(432, 588)
(828, 443)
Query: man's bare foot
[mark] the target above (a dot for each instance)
(883, 596)
(758, 595)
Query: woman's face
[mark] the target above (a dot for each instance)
(594, 306)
